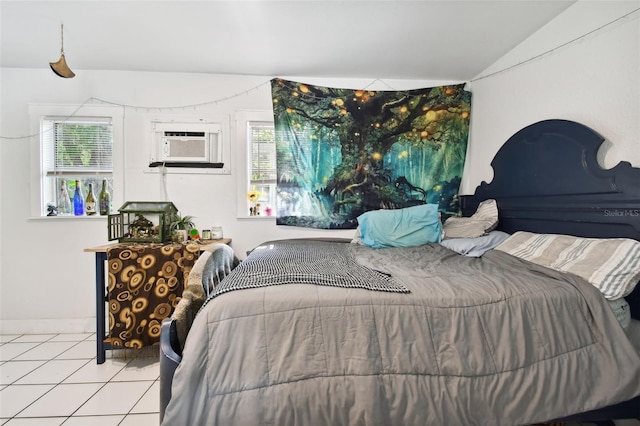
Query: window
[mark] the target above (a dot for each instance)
(262, 167)
(75, 149)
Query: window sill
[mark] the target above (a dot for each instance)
(256, 217)
(67, 217)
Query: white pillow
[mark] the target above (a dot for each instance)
(357, 238)
(475, 247)
(610, 264)
(484, 220)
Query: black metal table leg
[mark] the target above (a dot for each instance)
(101, 298)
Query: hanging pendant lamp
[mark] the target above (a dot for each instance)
(60, 67)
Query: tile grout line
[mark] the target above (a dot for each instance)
(31, 403)
(47, 361)
(40, 343)
(104, 384)
(54, 385)
(22, 353)
(87, 400)
(136, 403)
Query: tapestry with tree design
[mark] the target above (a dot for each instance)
(342, 152)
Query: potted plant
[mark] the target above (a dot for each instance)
(180, 227)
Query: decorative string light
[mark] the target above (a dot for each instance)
(183, 107)
(375, 81)
(217, 101)
(67, 118)
(555, 48)
(142, 108)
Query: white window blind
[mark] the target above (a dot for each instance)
(78, 147)
(262, 165)
(263, 153)
(74, 150)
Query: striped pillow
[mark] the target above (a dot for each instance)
(610, 264)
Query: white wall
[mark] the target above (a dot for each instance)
(45, 275)
(594, 81)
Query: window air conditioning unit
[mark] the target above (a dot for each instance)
(193, 145)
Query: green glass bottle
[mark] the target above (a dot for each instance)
(90, 202)
(105, 199)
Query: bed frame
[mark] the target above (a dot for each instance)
(547, 180)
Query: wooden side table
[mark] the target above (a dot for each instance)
(102, 294)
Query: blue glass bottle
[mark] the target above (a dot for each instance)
(78, 201)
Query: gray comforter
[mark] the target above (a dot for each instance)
(477, 341)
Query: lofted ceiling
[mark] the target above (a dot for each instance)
(416, 39)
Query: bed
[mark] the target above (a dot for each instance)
(329, 331)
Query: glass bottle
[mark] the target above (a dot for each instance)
(105, 199)
(90, 202)
(64, 202)
(78, 201)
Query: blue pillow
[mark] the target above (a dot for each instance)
(411, 226)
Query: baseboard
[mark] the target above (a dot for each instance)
(48, 326)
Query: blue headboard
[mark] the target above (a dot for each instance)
(547, 180)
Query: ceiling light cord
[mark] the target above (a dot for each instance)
(60, 67)
(62, 39)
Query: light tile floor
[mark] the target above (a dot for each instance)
(53, 379)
